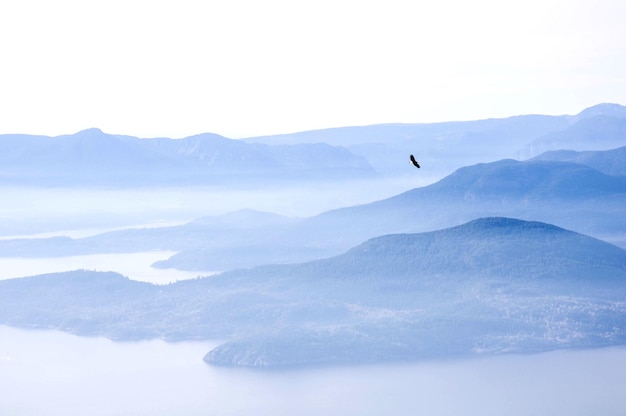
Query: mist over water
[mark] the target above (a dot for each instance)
(85, 211)
(52, 373)
(32, 212)
(136, 266)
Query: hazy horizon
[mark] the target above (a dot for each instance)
(243, 68)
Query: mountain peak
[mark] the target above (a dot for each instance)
(92, 130)
(607, 109)
(90, 133)
(507, 223)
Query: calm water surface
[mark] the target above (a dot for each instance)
(53, 373)
(136, 266)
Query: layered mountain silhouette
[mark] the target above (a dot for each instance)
(495, 257)
(94, 157)
(91, 157)
(516, 129)
(492, 285)
(450, 145)
(610, 162)
(601, 132)
(569, 195)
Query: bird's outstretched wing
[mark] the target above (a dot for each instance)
(417, 165)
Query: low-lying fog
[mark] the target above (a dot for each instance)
(78, 212)
(136, 266)
(52, 373)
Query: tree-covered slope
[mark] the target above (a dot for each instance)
(491, 285)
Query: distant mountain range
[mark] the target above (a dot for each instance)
(479, 261)
(610, 162)
(91, 157)
(569, 195)
(493, 285)
(445, 147)
(601, 132)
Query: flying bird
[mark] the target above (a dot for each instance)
(414, 162)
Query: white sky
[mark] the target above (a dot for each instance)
(240, 68)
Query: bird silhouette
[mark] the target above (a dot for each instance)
(414, 162)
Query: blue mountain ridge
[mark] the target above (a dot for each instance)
(566, 194)
(600, 132)
(610, 162)
(569, 195)
(447, 146)
(493, 285)
(512, 129)
(94, 157)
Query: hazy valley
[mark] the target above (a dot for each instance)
(486, 254)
